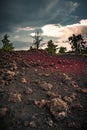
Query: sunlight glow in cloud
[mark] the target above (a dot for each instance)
(62, 33)
(83, 22)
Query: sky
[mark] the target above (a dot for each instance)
(55, 19)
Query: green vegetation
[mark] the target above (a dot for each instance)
(51, 48)
(78, 44)
(62, 50)
(7, 46)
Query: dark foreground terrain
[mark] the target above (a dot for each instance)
(42, 92)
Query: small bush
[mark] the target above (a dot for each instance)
(7, 46)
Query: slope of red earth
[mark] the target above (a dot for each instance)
(39, 91)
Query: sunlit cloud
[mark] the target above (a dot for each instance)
(50, 30)
(62, 33)
(83, 22)
(25, 29)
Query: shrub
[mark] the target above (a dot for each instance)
(7, 46)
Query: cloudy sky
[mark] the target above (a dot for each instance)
(55, 19)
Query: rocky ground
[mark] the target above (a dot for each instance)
(42, 92)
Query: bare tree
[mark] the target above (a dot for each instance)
(37, 39)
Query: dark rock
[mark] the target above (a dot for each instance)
(32, 124)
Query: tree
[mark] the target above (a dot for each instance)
(62, 49)
(7, 46)
(77, 43)
(37, 39)
(51, 48)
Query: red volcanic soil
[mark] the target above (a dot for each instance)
(39, 91)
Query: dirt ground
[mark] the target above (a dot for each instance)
(42, 92)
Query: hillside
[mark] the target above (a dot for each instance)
(39, 91)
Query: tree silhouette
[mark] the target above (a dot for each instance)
(37, 39)
(51, 48)
(62, 49)
(77, 43)
(7, 46)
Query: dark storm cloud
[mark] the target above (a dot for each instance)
(81, 11)
(18, 13)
